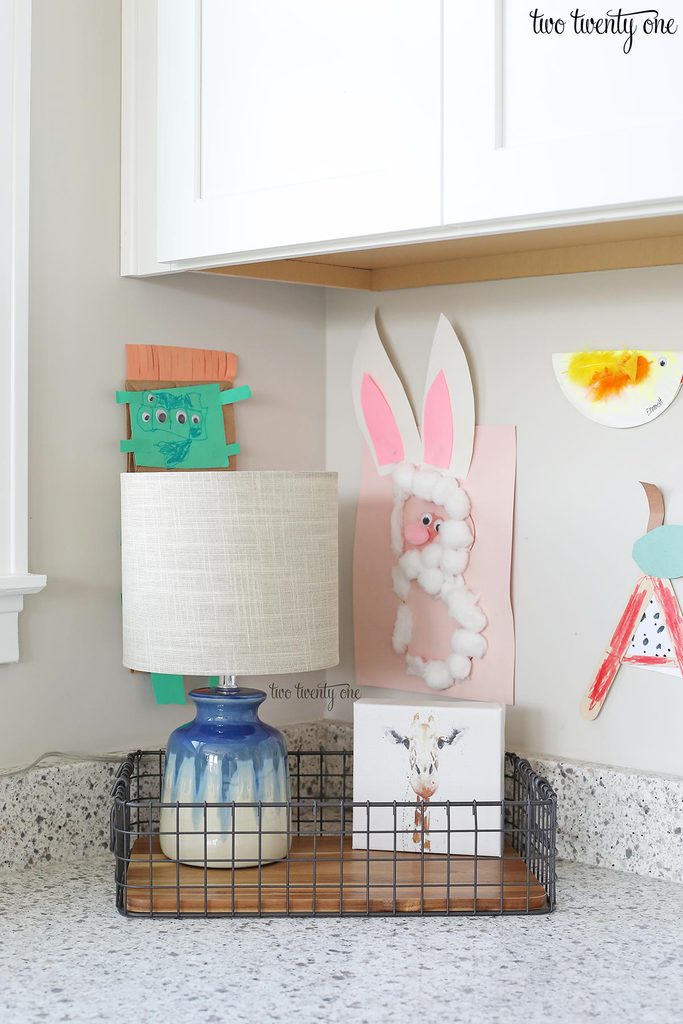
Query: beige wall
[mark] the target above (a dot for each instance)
(69, 691)
(579, 506)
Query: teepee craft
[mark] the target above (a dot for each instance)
(650, 631)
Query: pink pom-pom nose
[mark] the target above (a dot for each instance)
(416, 533)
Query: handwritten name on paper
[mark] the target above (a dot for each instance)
(628, 24)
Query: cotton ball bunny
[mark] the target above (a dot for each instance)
(471, 645)
(410, 564)
(403, 628)
(455, 534)
(462, 605)
(431, 530)
(435, 554)
(431, 580)
(437, 675)
(459, 666)
(401, 582)
(453, 563)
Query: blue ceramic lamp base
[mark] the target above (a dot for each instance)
(226, 754)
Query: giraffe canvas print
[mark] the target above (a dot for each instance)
(423, 754)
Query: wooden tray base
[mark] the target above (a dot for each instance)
(332, 884)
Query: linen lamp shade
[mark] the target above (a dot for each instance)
(229, 573)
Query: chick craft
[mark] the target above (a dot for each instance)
(622, 388)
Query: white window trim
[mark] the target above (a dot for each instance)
(15, 94)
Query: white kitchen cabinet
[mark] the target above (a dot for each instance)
(387, 143)
(282, 124)
(543, 125)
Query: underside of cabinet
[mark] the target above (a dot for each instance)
(612, 245)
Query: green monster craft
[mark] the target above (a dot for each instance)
(180, 427)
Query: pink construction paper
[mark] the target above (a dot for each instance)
(491, 486)
(437, 424)
(381, 423)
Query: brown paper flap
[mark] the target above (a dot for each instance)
(655, 502)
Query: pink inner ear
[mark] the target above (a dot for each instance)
(381, 423)
(437, 425)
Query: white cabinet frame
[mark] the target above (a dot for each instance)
(15, 93)
(139, 139)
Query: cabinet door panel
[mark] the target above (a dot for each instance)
(542, 124)
(285, 124)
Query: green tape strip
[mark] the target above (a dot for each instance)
(124, 396)
(168, 689)
(235, 394)
(213, 681)
(232, 449)
(126, 446)
(207, 454)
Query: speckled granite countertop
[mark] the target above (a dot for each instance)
(611, 953)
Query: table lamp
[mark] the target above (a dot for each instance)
(227, 574)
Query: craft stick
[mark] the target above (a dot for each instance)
(665, 596)
(601, 685)
(646, 660)
(168, 689)
(228, 397)
(235, 394)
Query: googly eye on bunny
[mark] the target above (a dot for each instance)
(432, 529)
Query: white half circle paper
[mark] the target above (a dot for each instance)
(611, 388)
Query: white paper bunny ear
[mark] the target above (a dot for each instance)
(448, 410)
(382, 407)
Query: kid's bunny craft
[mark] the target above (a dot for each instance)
(432, 525)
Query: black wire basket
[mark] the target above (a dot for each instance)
(324, 873)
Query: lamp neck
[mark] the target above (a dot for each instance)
(226, 684)
(236, 704)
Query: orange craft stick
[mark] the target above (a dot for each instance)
(600, 687)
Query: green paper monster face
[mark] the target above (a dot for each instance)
(180, 427)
